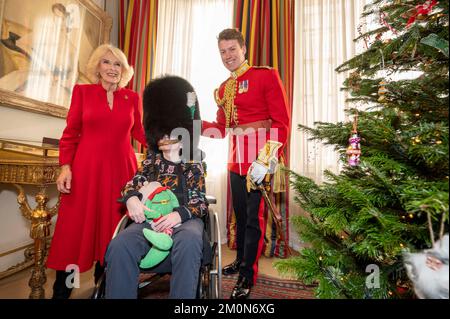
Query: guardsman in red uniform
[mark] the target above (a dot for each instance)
(252, 106)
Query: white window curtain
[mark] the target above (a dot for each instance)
(187, 46)
(324, 33)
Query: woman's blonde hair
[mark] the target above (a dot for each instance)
(94, 60)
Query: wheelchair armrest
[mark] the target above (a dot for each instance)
(211, 199)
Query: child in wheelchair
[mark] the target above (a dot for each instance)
(169, 104)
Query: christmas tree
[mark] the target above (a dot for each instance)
(392, 192)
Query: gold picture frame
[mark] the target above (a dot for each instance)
(44, 48)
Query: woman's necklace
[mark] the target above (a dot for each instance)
(110, 97)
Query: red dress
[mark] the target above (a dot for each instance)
(97, 144)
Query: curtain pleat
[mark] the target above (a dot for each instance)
(137, 39)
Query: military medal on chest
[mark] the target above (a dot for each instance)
(232, 87)
(243, 86)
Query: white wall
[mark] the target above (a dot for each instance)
(28, 126)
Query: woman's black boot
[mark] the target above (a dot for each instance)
(60, 289)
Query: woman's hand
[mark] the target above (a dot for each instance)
(136, 209)
(64, 180)
(167, 221)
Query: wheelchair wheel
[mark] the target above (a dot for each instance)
(215, 272)
(203, 283)
(99, 289)
(210, 278)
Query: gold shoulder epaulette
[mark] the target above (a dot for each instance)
(263, 67)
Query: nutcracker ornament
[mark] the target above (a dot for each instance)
(382, 91)
(354, 148)
(382, 84)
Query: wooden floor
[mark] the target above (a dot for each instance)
(16, 286)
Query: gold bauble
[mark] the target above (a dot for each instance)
(421, 17)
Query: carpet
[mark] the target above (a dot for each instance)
(265, 288)
(271, 288)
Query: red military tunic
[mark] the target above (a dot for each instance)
(252, 98)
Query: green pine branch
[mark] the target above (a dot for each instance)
(370, 214)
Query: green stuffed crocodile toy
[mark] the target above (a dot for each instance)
(160, 201)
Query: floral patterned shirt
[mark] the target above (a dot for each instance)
(186, 180)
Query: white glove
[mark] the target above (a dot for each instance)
(266, 162)
(258, 171)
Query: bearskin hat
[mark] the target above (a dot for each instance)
(165, 104)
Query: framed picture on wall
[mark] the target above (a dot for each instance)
(44, 49)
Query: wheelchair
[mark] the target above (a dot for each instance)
(210, 273)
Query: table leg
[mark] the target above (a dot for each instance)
(40, 219)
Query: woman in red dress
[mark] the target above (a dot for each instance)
(97, 159)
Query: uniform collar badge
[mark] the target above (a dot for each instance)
(240, 70)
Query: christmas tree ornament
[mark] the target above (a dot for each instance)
(437, 16)
(421, 11)
(382, 84)
(421, 16)
(354, 148)
(382, 91)
(402, 287)
(428, 270)
(354, 81)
